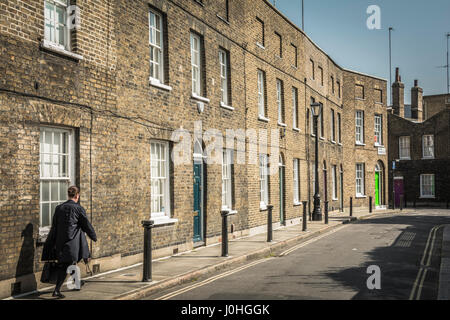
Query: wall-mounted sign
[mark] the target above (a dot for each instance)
(382, 151)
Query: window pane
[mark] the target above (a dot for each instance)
(63, 186)
(47, 142)
(52, 210)
(45, 191)
(45, 214)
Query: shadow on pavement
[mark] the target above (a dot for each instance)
(399, 263)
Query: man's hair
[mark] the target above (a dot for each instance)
(72, 192)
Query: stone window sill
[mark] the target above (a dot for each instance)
(223, 19)
(262, 118)
(297, 204)
(296, 129)
(158, 84)
(223, 105)
(260, 46)
(50, 46)
(282, 124)
(199, 98)
(360, 196)
(360, 144)
(160, 221)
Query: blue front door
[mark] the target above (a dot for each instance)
(198, 199)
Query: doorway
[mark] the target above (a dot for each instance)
(282, 169)
(399, 190)
(199, 194)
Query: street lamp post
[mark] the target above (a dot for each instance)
(316, 110)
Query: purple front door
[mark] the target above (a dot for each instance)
(399, 191)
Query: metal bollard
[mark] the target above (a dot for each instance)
(401, 202)
(147, 265)
(304, 216)
(326, 212)
(448, 201)
(351, 206)
(393, 201)
(225, 214)
(414, 203)
(370, 204)
(269, 223)
(309, 211)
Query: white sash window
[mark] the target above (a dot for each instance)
(156, 42)
(56, 23)
(57, 170)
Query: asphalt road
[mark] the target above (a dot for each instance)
(406, 248)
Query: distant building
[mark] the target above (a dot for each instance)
(419, 148)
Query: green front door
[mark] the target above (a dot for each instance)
(198, 186)
(377, 188)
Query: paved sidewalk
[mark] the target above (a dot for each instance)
(125, 283)
(444, 273)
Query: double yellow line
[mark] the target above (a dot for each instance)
(428, 252)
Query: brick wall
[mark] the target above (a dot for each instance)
(106, 98)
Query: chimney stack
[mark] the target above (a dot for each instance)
(417, 102)
(398, 95)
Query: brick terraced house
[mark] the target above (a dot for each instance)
(105, 94)
(419, 148)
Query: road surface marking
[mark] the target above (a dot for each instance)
(421, 275)
(207, 281)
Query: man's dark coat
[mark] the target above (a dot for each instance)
(66, 241)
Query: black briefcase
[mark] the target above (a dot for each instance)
(49, 273)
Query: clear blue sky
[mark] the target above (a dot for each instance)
(418, 40)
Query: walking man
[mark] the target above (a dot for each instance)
(66, 243)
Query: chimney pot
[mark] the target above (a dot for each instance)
(416, 83)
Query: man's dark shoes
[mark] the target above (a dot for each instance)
(58, 295)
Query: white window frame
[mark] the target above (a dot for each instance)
(68, 178)
(163, 214)
(261, 94)
(53, 24)
(295, 108)
(227, 179)
(296, 180)
(155, 48)
(339, 133)
(196, 65)
(264, 181)
(378, 125)
(360, 180)
(359, 127)
(424, 186)
(333, 126)
(224, 77)
(404, 145)
(280, 103)
(428, 146)
(334, 180)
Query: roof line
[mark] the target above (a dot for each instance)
(315, 44)
(364, 74)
